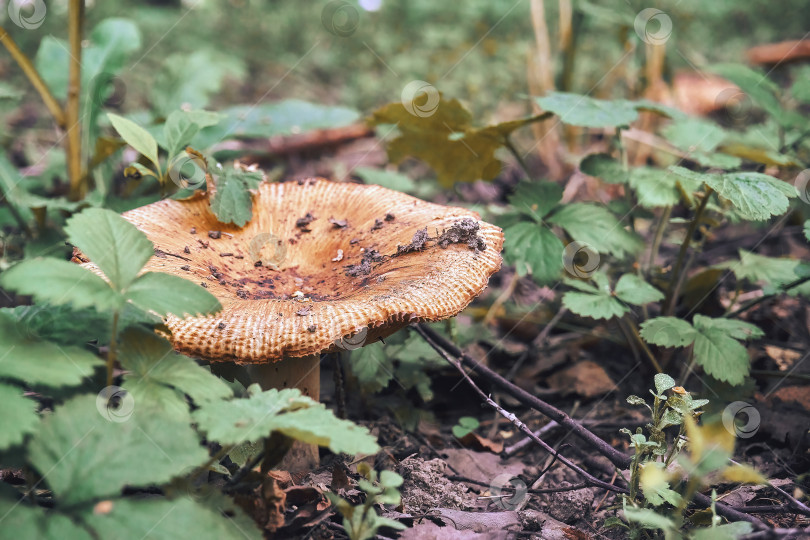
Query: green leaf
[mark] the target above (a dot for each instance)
(801, 84)
(40, 362)
(387, 179)
(19, 415)
(136, 450)
(807, 230)
(535, 250)
(35, 522)
(667, 332)
(536, 199)
(654, 187)
(755, 196)
(154, 370)
(445, 139)
(466, 424)
(114, 244)
(718, 350)
(757, 85)
(648, 518)
(605, 167)
(232, 202)
(190, 79)
(60, 282)
(136, 136)
(596, 306)
(774, 271)
(598, 227)
(162, 519)
(634, 290)
(287, 117)
(579, 110)
(663, 382)
(372, 367)
(287, 411)
(692, 133)
(178, 131)
(168, 294)
(727, 531)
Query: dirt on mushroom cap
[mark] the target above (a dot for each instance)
(304, 302)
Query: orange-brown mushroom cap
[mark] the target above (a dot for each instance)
(318, 261)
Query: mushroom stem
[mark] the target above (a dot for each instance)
(301, 373)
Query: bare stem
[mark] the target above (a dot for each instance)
(113, 346)
(33, 76)
(74, 141)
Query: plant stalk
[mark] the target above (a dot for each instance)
(74, 141)
(33, 77)
(111, 354)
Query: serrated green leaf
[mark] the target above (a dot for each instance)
(605, 167)
(233, 202)
(667, 332)
(579, 110)
(372, 367)
(663, 382)
(29, 521)
(535, 250)
(691, 133)
(726, 531)
(596, 306)
(536, 199)
(41, 362)
(155, 372)
(387, 179)
(287, 411)
(140, 450)
(774, 271)
(114, 244)
(168, 294)
(597, 227)
(757, 85)
(60, 282)
(732, 327)
(19, 416)
(654, 187)
(632, 289)
(137, 137)
(162, 519)
(717, 350)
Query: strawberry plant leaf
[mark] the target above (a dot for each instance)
(536, 199)
(232, 202)
(775, 271)
(654, 187)
(287, 411)
(667, 332)
(632, 289)
(762, 90)
(157, 374)
(718, 350)
(114, 244)
(137, 137)
(597, 227)
(595, 306)
(82, 435)
(584, 111)
(373, 368)
(19, 416)
(692, 133)
(605, 167)
(166, 294)
(60, 282)
(130, 519)
(35, 522)
(38, 362)
(535, 250)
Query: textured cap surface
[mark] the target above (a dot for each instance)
(320, 266)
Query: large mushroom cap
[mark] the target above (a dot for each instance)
(318, 262)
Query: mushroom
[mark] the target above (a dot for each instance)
(286, 298)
